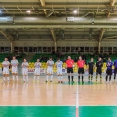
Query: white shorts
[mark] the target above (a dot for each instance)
(59, 71)
(24, 71)
(37, 71)
(49, 70)
(5, 70)
(14, 70)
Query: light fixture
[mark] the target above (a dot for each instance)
(28, 11)
(92, 22)
(75, 11)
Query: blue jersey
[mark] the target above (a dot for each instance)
(109, 65)
(115, 63)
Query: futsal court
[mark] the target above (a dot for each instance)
(60, 100)
(46, 38)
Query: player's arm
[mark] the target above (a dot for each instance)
(40, 65)
(27, 65)
(17, 63)
(35, 65)
(3, 65)
(53, 64)
(22, 65)
(9, 64)
(47, 64)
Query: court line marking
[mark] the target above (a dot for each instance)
(58, 105)
(77, 101)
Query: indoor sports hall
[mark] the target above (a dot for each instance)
(58, 58)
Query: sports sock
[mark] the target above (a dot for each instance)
(17, 77)
(61, 77)
(8, 78)
(34, 77)
(82, 78)
(4, 78)
(51, 77)
(23, 78)
(79, 78)
(27, 78)
(69, 78)
(47, 78)
(13, 77)
(58, 78)
(72, 78)
(91, 77)
(37, 77)
(110, 78)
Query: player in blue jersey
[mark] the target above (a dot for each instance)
(115, 69)
(109, 65)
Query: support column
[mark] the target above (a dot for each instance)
(12, 47)
(99, 44)
(55, 45)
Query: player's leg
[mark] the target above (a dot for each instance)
(106, 76)
(38, 75)
(100, 76)
(7, 73)
(68, 72)
(110, 74)
(72, 76)
(61, 76)
(26, 74)
(82, 73)
(23, 74)
(58, 75)
(51, 75)
(13, 74)
(115, 72)
(16, 75)
(89, 77)
(35, 75)
(96, 75)
(4, 77)
(47, 75)
(79, 75)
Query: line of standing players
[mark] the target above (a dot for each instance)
(90, 67)
(69, 65)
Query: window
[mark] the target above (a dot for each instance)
(25, 49)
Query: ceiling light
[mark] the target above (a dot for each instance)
(75, 11)
(28, 11)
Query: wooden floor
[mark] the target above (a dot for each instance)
(56, 94)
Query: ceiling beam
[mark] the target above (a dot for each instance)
(7, 36)
(43, 4)
(112, 3)
(60, 26)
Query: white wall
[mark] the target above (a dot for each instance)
(62, 43)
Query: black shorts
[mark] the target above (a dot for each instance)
(69, 70)
(81, 70)
(91, 71)
(115, 71)
(109, 71)
(99, 71)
